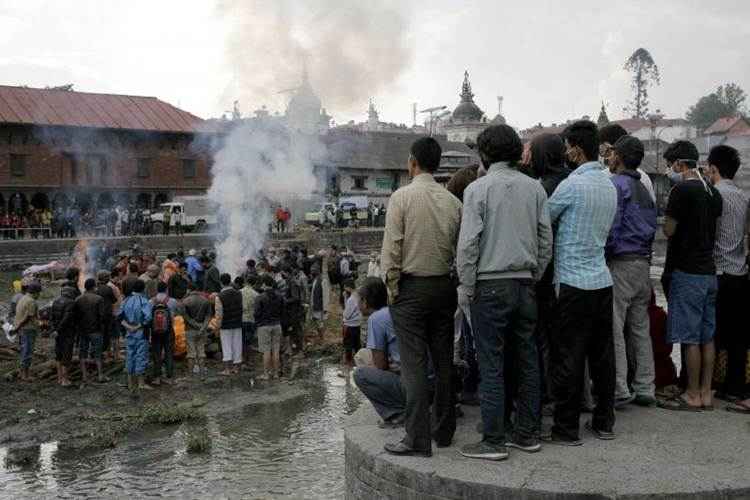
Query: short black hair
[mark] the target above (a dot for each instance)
(171, 256)
(239, 282)
(250, 263)
(681, 150)
(133, 267)
(374, 292)
(499, 143)
(584, 135)
(252, 281)
(225, 279)
(139, 286)
(630, 150)
(726, 159)
(71, 274)
(611, 133)
(204, 260)
(427, 152)
(161, 287)
(89, 284)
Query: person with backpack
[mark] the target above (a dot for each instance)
(62, 317)
(163, 312)
(229, 317)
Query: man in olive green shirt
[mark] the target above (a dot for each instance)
(26, 324)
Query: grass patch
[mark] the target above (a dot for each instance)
(198, 440)
(170, 415)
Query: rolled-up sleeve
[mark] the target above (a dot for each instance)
(467, 252)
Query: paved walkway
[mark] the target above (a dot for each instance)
(657, 452)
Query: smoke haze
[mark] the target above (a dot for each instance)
(351, 50)
(260, 165)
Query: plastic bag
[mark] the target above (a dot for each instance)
(180, 341)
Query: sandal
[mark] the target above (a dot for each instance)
(679, 404)
(739, 408)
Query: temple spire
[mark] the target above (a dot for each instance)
(603, 118)
(466, 94)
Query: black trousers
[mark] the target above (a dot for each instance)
(162, 350)
(423, 320)
(584, 332)
(731, 330)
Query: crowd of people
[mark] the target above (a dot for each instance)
(136, 300)
(73, 222)
(525, 288)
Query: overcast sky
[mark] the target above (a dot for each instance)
(551, 60)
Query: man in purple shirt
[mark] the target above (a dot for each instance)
(628, 253)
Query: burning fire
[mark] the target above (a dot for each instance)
(81, 261)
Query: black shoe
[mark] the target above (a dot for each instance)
(529, 445)
(600, 434)
(484, 451)
(403, 450)
(550, 437)
(644, 400)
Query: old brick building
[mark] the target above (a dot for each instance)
(61, 147)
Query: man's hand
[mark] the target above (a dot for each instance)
(465, 297)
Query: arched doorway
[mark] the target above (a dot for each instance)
(159, 199)
(105, 201)
(122, 200)
(61, 201)
(40, 201)
(143, 200)
(18, 203)
(84, 202)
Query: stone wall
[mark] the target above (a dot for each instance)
(19, 254)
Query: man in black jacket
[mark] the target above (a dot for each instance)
(269, 308)
(91, 312)
(63, 321)
(229, 317)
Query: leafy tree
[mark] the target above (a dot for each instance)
(726, 100)
(645, 73)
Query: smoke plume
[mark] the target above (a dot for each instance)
(260, 165)
(351, 50)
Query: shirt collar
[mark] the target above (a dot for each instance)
(423, 178)
(500, 165)
(726, 182)
(230, 287)
(587, 167)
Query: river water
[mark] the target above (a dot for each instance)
(291, 449)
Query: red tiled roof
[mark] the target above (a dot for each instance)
(723, 125)
(29, 106)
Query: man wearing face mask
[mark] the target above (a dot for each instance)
(692, 211)
(608, 136)
(583, 206)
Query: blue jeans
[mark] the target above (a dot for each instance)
(136, 360)
(384, 390)
(504, 315)
(27, 339)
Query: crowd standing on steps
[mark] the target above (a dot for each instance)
(525, 288)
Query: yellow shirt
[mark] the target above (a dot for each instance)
(26, 308)
(421, 231)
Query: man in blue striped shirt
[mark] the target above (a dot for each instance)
(583, 206)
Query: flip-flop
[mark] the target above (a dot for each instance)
(679, 404)
(739, 408)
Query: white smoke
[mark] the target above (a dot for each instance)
(352, 50)
(260, 165)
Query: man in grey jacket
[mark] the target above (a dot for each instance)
(504, 247)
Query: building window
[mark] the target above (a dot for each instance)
(144, 167)
(188, 169)
(359, 182)
(18, 165)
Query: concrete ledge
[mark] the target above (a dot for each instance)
(657, 454)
